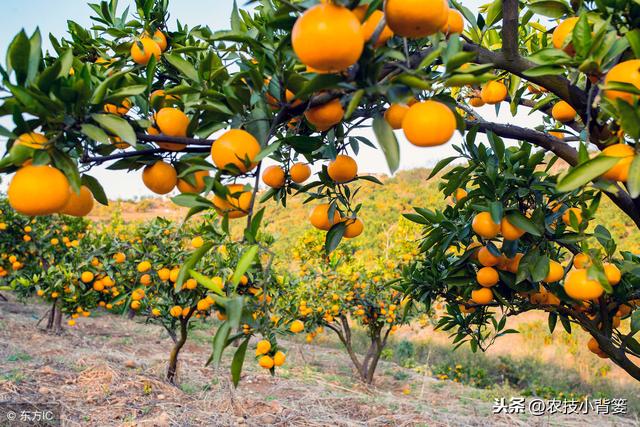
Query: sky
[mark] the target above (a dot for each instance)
(51, 17)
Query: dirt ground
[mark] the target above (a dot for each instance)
(108, 371)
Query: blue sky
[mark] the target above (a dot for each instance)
(51, 16)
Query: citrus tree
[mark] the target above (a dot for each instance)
(293, 81)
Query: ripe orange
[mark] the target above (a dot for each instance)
(354, 227)
(429, 123)
(416, 18)
(486, 258)
(344, 168)
(144, 266)
(296, 326)
(162, 96)
(186, 187)
(559, 135)
(563, 112)
(566, 216)
(562, 32)
(582, 261)
(33, 140)
(459, 195)
(476, 101)
(142, 55)
(319, 217)
(274, 176)
(326, 116)
(620, 171)
(266, 362)
(484, 226)
(172, 122)
(578, 285)
(556, 272)
(160, 39)
(613, 273)
(279, 358)
(487, 277)
(175, 311)
(327, 38)
(624, 72)
(454, 24)
(119, 257)
(394, 115)
(369, 27)
(233, 148)
(79, 204)
(164, 274)
(120, 110)
(160, 177)
(509, 231)
(482, 296)
(86, 276)
(263, 347)
(237, 202)
(300, 172)
(38, 190)
(493, 92)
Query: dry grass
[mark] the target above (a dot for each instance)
(109, 371)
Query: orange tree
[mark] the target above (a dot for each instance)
(343, 294)
(293, 81)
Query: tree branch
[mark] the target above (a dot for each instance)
(510, 29)
(151, 151)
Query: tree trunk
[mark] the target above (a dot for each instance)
(52, 314)
(57, 321)
(173, 357)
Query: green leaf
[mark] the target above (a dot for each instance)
(95, 133)
(543, 70)
(192, 201)
(182, 65)
(517, 219)
(206, 282)
(266, 152)
(101, 90)
(238, 361)
(629, 119)
(585, 173)
(635, 321)
(96, 189)
(494, 12)
(388, 142)
(333, 237)
(553, 319)
(116, 125)
(191, 262)
(353, 103)
(18, 57)
(582, 37)
(633, 180)
(219, 343)
(67, 165)
(550, 8)
(233, 308)
(319, 82)
(35, 55)
(441, 165)
(244, 263)
(236, 22)
(633, 37)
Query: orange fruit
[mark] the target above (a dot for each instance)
(394, 115)
(578, 285)
(161, 94)
(274, 176)
(142, 54)
(454, 24)
(86, 276)
(562, 32)
(344, 168)
(119, 258)
(486, 258)
(79, 204)
(581, 261)
(38, 190)
(186, 187)
(266, 362)
(429, 123)
(160, 39)
(416, 18)
(33, 140)
(172, 122)
(624, 72)
(319, 217)
(175, 311)
(300, 172)
(263, 347)
(476, 101)
(459, 195)
(120, 110)
(487, 277)
(279, 358)
(273, 103)
(620, 171)
(509, 231)
(484, 226)
(160, 177)
(613, 273)
(559, 135)
(354, 227)
(144, 266)
(482, 296)
(326, 116)
(237, 202)
(563, 112)
(296, 326)
(234, 147)
(566, 216)
(369, 27)
(556, 272)
(493, 92)
(328, 38)
(164, 274)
